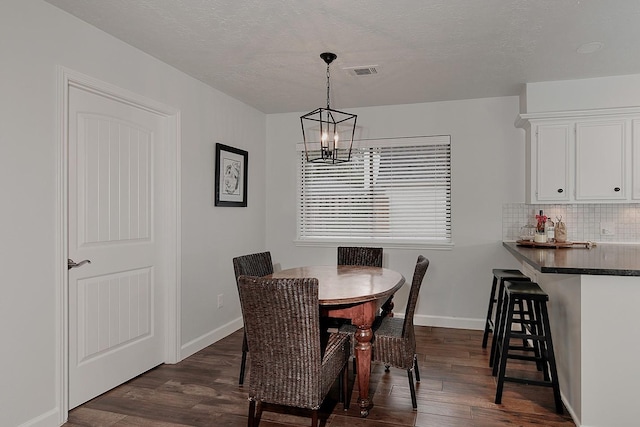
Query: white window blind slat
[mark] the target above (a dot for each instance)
(392, 189)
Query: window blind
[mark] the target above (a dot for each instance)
(396, 190)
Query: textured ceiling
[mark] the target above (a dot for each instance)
(266, 52)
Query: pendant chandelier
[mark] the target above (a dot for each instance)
(327, 133)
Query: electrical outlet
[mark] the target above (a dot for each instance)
(607, 229)
(220, 300)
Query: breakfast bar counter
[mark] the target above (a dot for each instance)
(593, 302)
(602, 259)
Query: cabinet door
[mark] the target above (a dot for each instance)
(635, 160)
(600, 167)
(552, 163)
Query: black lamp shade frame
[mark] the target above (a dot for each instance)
(332, 122)
(324, 122)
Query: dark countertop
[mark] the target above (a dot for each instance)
(603, 259)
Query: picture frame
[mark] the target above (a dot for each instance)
(231, 171)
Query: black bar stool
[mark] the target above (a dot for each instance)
(499, 276)
(534, 327)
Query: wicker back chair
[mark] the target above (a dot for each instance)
(371, 257)
(354, 255)
(258, 264)
(395, 340)
(288, 365)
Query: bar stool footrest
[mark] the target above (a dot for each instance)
(528, 381)
(521, 336)
(524, 357)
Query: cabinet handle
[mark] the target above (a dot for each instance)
(616, 189)
(560, 190)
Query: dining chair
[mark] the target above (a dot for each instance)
(358, 255)
(288, 364)
(258, 264)
(394, 341)
(367, 256)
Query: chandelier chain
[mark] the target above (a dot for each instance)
(328, 86)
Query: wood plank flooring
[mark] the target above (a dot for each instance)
(457, 390)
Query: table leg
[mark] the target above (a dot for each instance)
(363, 321)
(387, 307)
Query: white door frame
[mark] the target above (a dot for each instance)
(171, 222)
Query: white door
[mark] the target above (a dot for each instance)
(116, 313)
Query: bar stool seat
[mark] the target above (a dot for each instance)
(499, 276)
(535, 328)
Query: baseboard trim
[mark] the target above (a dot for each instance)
(573, 414)
(48, 419)
(449, 322)
(209, 338)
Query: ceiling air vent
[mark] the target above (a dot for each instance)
(368, 70)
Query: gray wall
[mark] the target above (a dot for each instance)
(487, 171)
(35, 38)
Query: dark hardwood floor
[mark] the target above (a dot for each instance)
(457, 390)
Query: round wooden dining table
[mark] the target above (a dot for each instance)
(356, 293)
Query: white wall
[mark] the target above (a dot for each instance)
(35, 37)
(584, 94)
(487, 171)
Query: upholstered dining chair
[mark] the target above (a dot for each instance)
(288, 365)
(258, 264)
(394, 341)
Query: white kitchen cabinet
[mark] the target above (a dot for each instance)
(553, 142)
(635, 163)
(600, 160)
(583, 156)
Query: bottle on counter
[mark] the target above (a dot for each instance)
(549, 229)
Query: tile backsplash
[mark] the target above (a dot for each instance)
(583, 221)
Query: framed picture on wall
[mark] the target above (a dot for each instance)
(230, 176)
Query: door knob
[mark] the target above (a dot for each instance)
(72, 264)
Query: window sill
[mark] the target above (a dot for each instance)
(387, 244)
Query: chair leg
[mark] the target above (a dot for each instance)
(536, 329)
(243, 363)
(498, 332)
(501, 352)
(522, 320)
(345, 388)
(258, 413)
(314, 418)
(487, 326)
(551, 359)
(412, 388)
(415, 367)
(252, 410)
(497, 324)
(340, 393)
